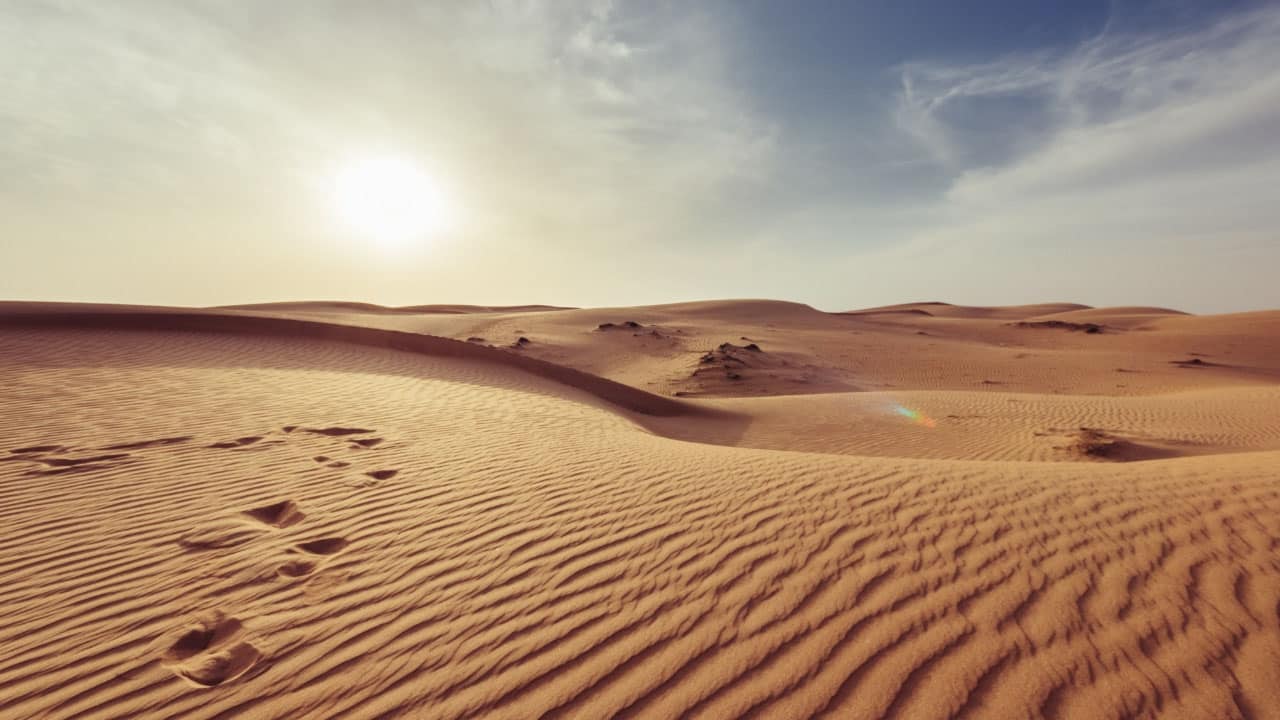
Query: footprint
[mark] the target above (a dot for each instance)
(324, 585)
(302, 567)
(382, 474)
(367, 442)
(281, 514)
(237, 443)
(330, 462)
(296, 568)
(72, 462)
(211, 652)
(203, 634)
(337, 431)
(56, 465)
(323, 546)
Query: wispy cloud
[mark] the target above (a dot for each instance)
(562, 126)
(1128, 152)
(582, 135)
(599, 87)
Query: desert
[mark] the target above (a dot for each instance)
(929, 511)
(507, 359)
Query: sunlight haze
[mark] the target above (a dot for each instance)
(610, 153)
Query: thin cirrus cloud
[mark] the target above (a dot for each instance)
(165, 152)
(1139, 167)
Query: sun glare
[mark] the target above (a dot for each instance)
(389, 200)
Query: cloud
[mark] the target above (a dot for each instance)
(587, 134)
(1138, 149)
(582, 95)
(579, 128)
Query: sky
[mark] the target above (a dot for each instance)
(593, 153)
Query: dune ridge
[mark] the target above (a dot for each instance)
(326, 306)
(155, 319)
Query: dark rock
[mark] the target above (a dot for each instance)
(629, 324)
(1089, 328)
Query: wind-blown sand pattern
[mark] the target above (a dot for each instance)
(250, 513)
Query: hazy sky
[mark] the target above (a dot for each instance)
(839, 153)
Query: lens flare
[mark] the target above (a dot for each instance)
(915, 416)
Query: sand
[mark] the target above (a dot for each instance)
(710, 510)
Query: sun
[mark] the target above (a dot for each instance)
(389, 200)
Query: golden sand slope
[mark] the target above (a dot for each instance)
(928, 346)
(967, 425)
(221, 524)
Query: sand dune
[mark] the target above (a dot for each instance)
(968, 425)
(808, 351)
(332, 306)
(279, 513)
(161, 319)
(969, 312)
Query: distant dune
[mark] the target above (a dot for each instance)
(740, 508)
(941, 309)
(329, 306)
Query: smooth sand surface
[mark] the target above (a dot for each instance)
(712, 510)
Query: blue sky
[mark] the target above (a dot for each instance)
(844, 154)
